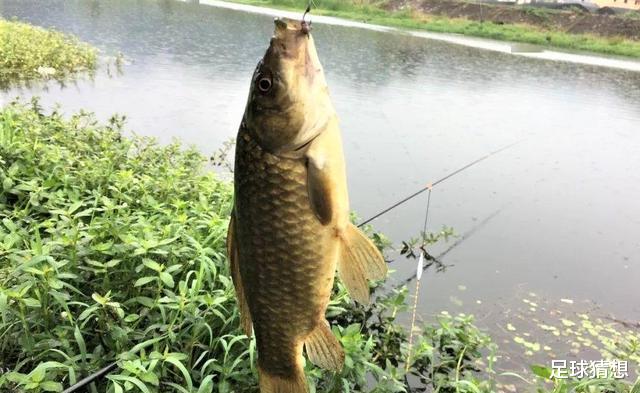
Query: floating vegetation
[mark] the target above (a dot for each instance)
(29, 53)
(559, 330)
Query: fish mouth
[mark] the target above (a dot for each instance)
(290, 37)
(292, 49)
(292, 25)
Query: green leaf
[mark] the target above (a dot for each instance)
(37, 375)
(150, 377)
(145, 301)
(144, 280)
(113, 263)
(145, 344)
(132, 380)
(87, 313)
(206, 386)
(181, 389)
(167, 279)
(31, 302)
(152, 264)
(51, 386)
(81, 344)
(17, 377)
(7, 183)
(99, 299)
(173, 268)
(131, 318)
(3, 303)
(183, 370)
(74, 207)
(55, 283)
(541, 371)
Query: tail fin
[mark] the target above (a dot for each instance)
(277, 384)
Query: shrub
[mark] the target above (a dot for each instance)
(28, 52)
(113, 248)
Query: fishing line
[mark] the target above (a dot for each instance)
(419, 270)
(307, 11)
(421, 266)
(435, 183)
(464, 237)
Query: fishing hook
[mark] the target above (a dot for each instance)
(306, 26)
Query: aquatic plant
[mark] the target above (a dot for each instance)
(113, 248)
(32, 53)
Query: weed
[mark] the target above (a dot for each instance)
(33, 53)
(113, 248)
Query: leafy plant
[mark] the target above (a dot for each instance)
(32, 53)
(113, 248)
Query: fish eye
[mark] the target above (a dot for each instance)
(264, 84)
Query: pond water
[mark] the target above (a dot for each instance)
(556, 216)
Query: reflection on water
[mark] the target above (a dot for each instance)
(412, 110)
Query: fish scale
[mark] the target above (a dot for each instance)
(284, 246)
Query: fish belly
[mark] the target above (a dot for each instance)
(287, 257)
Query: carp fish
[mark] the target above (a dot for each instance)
(290, 229)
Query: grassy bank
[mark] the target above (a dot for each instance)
(108, 244)
(114, 248)
(31, 53)
(370, 11)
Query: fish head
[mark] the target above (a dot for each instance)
(289, 103)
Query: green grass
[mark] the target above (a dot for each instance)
(370, 12)
(113, 247)
(31, 53)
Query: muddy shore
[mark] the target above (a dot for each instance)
(572, 21)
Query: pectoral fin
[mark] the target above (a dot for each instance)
(232, 254)
(360, 260)
(323, 348)
(319, 189)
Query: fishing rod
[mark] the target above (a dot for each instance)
(87, 380)
(423, 252)
(112, 366)
(421, 267)
(435, 183)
